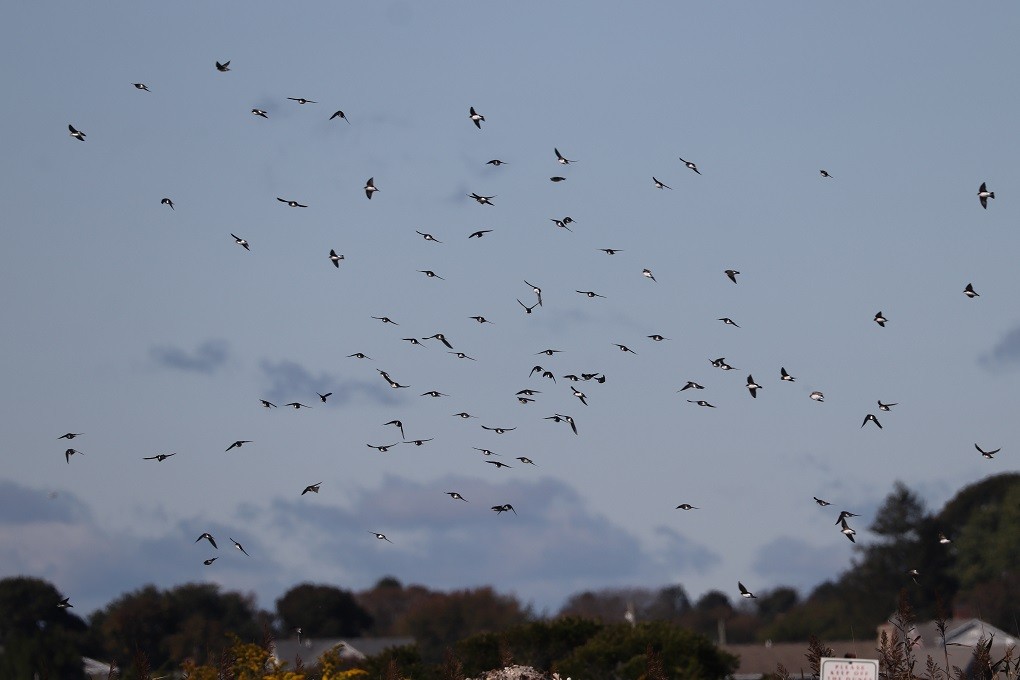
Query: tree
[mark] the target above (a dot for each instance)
(388, 601)
(38, 638)
(539, 644)
(322, 611)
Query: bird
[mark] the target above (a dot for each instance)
(987, 454)
(593, 294)
(885, 407)
(240, 241)
(690, 165)
(658, 338)
(70, 452)
(744, 592)
(508, 508)
(160, 457)
(580, 395)
(560, 223)
(529, 393)
(843, 514)
(476, 118)
(691, 385)
(441, 338)
(141, 86)
(783, 375)
(753, 387)
(207, 536)
(970, 292)
(501, 508)
(686, 506)
(434, 394)
(335, 258)
(984, 194)
(427, 237)
(370, 187)
(660, 185)
(624, 348)
(570, 421)
(549, 352)
(480, 319)
(167, 201)
(419, 442)
(399, 425)
(65, 604)
(560, 158)
(238, 444)
(461, 355)
(732, 274)
(913, 574)
(872, 418)
(729, 322)
(70, 435)
(297, 405)
(381, 537)
(821, 502)
(700, 402)
(413, 341)
(455, 496)
(525, 400)
(647, 273)
(209, 561)
(495, 162)
(323, 397)
(482, 200)
(527, 309)
(943, 539)
(817, 396)
(431, 274)
(340, 114)
(224, 67)
(721, 364)
(381, 449)
(463, 414)
(825, 173)
(359, 355)
(292, 204)
(485, 452)
(611, 251)
(261, 113)
(314, 488)
(557, 178)
(526, 460)
(239, 547)
(301, 100)
(386, 319)
(536, 290)
(499, 430)
(77, 134)
(880, 320)
(847, 531)
(480, 233)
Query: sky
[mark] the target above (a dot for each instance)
(149, 330)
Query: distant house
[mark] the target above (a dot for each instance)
(97, 670)
(352, 649)
(962, 636)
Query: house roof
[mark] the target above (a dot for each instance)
(758, 659)
(353, 648)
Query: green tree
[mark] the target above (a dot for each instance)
(539, 644)
(321, 611)
(37, 638)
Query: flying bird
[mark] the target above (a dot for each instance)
(323, 397)
(560, 159)
(224, 67)
(476, 118)
(817, 396)
(660, 185)
(561, 224)
(399, 425)
(499, 430)
(427, 237)
(381, 537)
(624, 348)
(359, 355)
(340, 114)
(580, 395)
(209, 561)
(844, 514)
(686, 506)
(419, 442)
(593, 294)
(70, 452)
(261, 113)
(141, 86)
(238, 444)
(480, 233)
(297, 405)
(536, 290)
(463, 414)
(611, 251)
(647, 273)
(885, 407)
(847, 531)
(434, 394)
(744, 592)
(313, 488)
(970, 292)
(77, 134)
(455, 496)
(160, 457)
(239, 547)
(558, 179)
(241, 242)
(335, 258)
(386, 319)
(872, 418)
(943, 539)
(167, 201)
(987, 454)
(65, 604)
(527, 309)
(431, 274)
(732, 274)
(207, 536)
(266, 403)
(495, 162)
(783, 375)
(729, 322)
(292, 204)
(658, 338)
(821, 502)
(526, 460)
(370, 187)
(690, 165)
(700, 402)
(691, 385)
(825, 173)
(381, 449)
(984, 194)
(753, 387)
(880, 320)
(70, 435)
(482, 200)
(301, 100)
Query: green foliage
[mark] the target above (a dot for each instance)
(621, 651)
(38, 638)
(987, 540)
(538, 644)
(322, 611)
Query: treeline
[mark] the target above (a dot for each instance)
(975, 574)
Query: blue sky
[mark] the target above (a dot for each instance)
(149, 330)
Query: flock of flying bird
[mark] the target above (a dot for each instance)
(524, 396)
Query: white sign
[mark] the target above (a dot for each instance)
(849, 669)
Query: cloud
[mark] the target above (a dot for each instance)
(685, 555)
(799, 564)
(1004, 354)
(289, 380)
(553, 547)
(207, 357)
